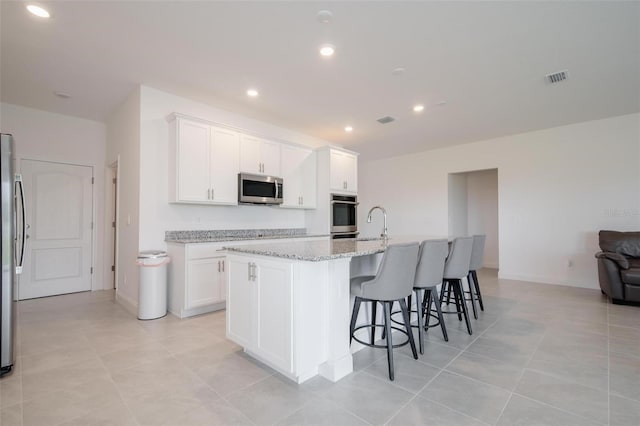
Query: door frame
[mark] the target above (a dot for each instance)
(112, 201)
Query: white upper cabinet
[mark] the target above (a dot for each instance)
(343, 168)
(259, 156)
(225, 163)
(203, 163)
(299, 177)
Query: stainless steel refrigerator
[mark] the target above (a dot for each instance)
(12, 251)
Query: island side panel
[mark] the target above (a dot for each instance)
(337, 314)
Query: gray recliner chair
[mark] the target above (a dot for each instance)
(619, 266)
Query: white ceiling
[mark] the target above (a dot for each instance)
(487, 60)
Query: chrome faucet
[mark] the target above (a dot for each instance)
(384, 212)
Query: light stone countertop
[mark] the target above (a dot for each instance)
(214, 236)
(327, 249)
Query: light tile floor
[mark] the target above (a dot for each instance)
(540, 354)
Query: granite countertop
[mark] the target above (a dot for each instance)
(316, 251)
(212, 236)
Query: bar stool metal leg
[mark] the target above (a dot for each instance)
(440, 316)
(354, 317)
(407, 325)
(387, 329)
(420, 309)
(374, 307)
(477, 286)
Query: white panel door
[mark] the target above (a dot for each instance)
(58, 253)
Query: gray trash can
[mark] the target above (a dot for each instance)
(152, 291)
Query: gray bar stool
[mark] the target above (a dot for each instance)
(431, 260)
(429, 274)
(393, 282)
(456, 268)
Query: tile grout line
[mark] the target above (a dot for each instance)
(440, 372)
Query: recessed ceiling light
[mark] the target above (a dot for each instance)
(252, 93)
(38, 11)
(62, 95)
(325, 16)
(418, 108)
(348, 129)
(327, 50)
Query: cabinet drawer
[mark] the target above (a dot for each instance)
(201, 251)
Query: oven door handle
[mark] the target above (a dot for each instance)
(353, 203)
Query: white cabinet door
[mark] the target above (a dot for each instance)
(259, 156)
(344, 171)
(250, 161)
(193, 161)
(224, 166)
(299, 177)
(270, 155)
(240, 302)
(204, 282)
(274, 314)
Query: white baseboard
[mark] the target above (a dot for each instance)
(541, 280)
(490, 265)
(128, 304)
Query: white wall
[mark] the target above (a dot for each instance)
(557, 188)
(458, 207)
(42, 135)
(123, 145)
(157, 215)
(482, 211)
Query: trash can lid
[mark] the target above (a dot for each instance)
(152, 254)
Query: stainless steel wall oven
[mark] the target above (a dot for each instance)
(344, 216)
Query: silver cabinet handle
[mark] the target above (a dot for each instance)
(212, 194)
(302, 200)
(209, 194)
(249, 271)
(222, 261)
(218, 266)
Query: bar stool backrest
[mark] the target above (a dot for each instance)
(433, 254)
(477, 253)
(457, 265)
(396, 274)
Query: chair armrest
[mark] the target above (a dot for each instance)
(622, 261)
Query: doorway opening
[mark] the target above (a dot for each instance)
(473, 209)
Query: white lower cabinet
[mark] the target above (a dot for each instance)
(197, 279)
(260, 305)
(206, 278)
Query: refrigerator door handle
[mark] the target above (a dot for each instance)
(20, 259)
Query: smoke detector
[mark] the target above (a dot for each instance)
(385, 120)
(557, 77)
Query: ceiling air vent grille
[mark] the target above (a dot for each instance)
(385, 120)
(557, 77)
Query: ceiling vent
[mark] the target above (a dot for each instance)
(557, 77)
(385, 120)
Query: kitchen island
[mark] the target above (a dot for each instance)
(289, 304)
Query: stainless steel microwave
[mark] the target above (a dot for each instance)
(258, 189)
